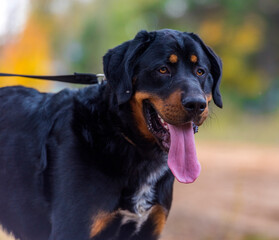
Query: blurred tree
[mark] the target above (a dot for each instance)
(29, 54)
(244, 33)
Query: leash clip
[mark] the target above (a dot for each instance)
(100, 77)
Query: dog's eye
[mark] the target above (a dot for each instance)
(163, 70)
(200, 72)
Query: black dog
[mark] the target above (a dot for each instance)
(99, 162)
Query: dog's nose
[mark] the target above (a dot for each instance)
(194, 105)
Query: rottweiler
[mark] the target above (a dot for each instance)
(99, 162)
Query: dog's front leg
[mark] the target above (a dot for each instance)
(83, 214)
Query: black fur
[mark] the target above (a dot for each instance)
(68, 156)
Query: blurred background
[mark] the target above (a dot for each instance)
(237, 194)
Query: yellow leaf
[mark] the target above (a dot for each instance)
(29, 54)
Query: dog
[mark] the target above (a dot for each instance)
(99, 162)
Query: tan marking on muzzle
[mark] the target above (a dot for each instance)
(171, 108)
(137, 108)
(205, 113)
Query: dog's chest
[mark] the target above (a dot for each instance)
(143, 199)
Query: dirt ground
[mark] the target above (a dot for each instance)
(236, 196)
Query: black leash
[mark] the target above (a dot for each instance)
(78, 78)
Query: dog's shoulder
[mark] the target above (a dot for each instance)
(14, 97)
(29, 100)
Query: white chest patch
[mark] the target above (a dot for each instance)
(145, 195)
(143, 199)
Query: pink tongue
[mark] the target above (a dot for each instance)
(182, 159)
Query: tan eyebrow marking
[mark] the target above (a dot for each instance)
(193, 58)
(173, 58)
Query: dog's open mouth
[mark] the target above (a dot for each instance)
(157, 126)
(178, 141)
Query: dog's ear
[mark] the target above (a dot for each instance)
(119, 64)
(216, 70)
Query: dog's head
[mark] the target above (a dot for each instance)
(168, 78)
(167, 72)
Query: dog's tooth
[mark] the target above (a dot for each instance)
(161, 119)
(165, 125)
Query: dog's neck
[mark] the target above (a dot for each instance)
(126, 124)
(120, 138)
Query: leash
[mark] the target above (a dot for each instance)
(77, 78)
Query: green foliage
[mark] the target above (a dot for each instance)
(243, 33)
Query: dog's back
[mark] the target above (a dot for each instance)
(25, 122)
